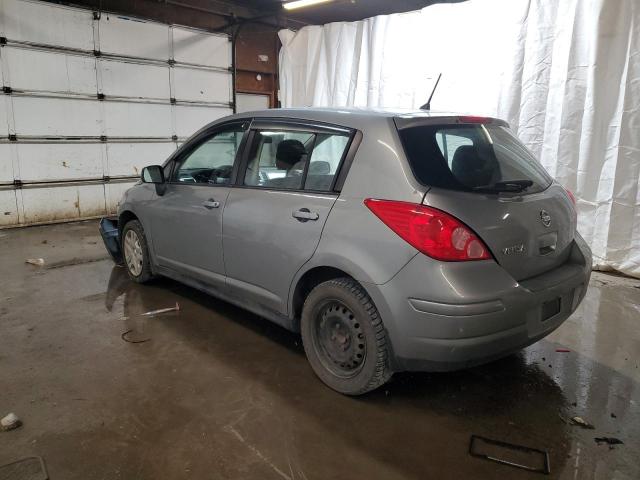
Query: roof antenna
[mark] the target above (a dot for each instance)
(427, 106)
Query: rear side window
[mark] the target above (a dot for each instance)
(294, 160)
(472, 158)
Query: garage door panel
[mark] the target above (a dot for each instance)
(199, 48)
(128, 119)
(60, 161)
(8, 208)
(65, 133)
(56, 116)
(7, 153)
(191, 119)
(194, 84)
(65, 27)
(130, 158)
(134, 38)
(62, 202)
(125, 79)
(4, 121)
(114, 193)
(50, 71)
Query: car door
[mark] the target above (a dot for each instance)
(274, 217)
(186, 219)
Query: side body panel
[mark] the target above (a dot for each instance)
(187, 231)
(354, 240)
(265, 245)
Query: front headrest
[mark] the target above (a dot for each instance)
(290, 151)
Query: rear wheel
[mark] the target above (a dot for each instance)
(344, 337)
(135, 252)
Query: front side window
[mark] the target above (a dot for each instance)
(294, 160)
(480, 158)
(211, 162)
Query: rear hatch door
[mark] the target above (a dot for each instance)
(483, 175)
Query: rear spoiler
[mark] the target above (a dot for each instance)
(411, 121)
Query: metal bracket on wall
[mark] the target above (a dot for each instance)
(101, 96)
(6, 90)
(17, 184)
(97, 53)
(103, 138)
(97, 15)
(3, 41)
(13, 137)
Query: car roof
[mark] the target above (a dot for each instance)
(348, 116)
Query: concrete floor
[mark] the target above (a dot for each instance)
(220, 393)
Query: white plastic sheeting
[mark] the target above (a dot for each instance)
(564, 73)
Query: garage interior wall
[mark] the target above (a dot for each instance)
(565, 75)
(89, 99)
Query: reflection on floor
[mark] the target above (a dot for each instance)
(216, 392)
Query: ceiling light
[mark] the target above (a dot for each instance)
(302, 3)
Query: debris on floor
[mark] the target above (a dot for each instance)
(563, 350)
(161, 310)
(9, 422)
(127, 339)
(31, 468)
(580, 422)
(518, 456)
(76, 261)
(613, 415)
(611, 441)
(35, 261)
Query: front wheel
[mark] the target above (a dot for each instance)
(344, 338)
(135, 252)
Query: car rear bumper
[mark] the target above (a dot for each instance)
(447, 316)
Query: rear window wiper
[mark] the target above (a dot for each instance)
(507, 186)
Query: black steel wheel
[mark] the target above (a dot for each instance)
(340, 339)
(344, 337)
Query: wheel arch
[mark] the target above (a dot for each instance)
(124, 217)
(306, 281)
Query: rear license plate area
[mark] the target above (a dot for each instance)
(550, 309)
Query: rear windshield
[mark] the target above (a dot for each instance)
(482, 158)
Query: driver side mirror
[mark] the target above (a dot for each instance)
(152, 174)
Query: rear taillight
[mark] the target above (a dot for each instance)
(431, 231)
(571, 196)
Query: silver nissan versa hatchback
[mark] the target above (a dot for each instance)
(390, 240)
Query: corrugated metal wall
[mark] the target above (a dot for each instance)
(89, 99)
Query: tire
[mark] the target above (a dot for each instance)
(138, 268)
(344, 338)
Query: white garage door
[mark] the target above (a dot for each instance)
(89, 99)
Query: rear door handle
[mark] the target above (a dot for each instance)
(211, 203)
(304, 215)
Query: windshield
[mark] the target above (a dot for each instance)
(481, 158)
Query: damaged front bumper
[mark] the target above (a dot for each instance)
(111, 238)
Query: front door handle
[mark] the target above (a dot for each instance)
(304, 215)
(211, 203)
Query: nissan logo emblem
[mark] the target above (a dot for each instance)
(545, 218)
